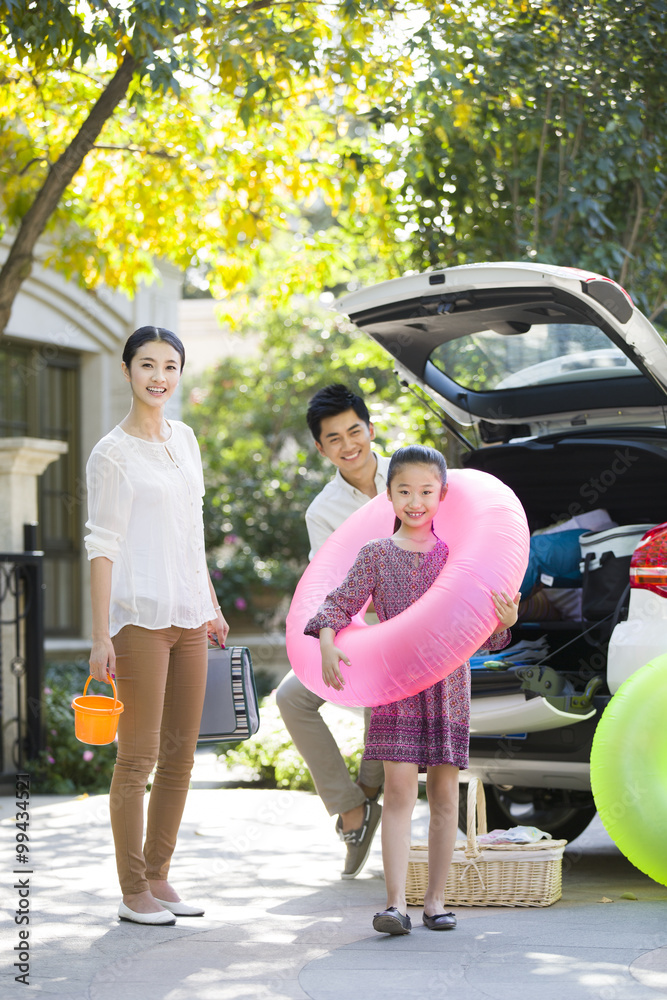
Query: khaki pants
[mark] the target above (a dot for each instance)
(161, 680)
(300, 709)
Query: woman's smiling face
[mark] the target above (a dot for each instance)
(154, 372)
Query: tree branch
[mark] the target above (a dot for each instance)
(515, 197)
(160, 153)
(579, 131)
(658, 209)
(20, 259)
(35, 159)
(538, 171)
(629, 248)
(110, 11)
(555, 225)
(655, 312)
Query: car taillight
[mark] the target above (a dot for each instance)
(648, 566)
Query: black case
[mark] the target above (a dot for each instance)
(231, 711)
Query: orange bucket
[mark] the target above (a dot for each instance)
(96, 716)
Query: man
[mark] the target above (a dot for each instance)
(340, 424)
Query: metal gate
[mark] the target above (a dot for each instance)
(21, 654)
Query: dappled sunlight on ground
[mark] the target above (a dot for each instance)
(280, 923)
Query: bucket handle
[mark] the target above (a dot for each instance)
(110, 681)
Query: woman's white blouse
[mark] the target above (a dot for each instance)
(145, 515)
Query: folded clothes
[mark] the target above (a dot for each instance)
(516, 835)
(526, 648)
(591, 520)
(526, 651)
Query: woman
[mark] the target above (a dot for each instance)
(153, 604)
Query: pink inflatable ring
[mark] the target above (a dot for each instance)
(484, 525)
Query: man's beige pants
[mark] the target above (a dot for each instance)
(300, 709)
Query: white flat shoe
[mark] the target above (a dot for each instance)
(180, 909)
(163, 917)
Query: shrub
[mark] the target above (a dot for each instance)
(67, 766)
(272, 758)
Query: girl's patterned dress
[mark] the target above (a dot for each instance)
(429, 728)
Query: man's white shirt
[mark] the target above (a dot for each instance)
(336, 502)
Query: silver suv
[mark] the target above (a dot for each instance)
(550, 379)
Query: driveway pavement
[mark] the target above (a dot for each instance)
(280, 923)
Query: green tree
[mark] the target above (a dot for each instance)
(361, 138)
(191, 130)
(549, 143)
(260, 464)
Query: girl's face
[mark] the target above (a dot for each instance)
(154, 373)
(415, 493)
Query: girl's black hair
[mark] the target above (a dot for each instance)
(415, 454)
(148, 334)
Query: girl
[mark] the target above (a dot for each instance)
(153, 604)
(428, 731)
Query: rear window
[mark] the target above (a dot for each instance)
(543, 354)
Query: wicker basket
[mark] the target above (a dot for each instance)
(491, 875)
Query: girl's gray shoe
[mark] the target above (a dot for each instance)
(392, 921)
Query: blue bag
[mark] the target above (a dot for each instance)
(555, 555)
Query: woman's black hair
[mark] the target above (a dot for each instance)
(147, 335)
(416, 454)
(331, 401)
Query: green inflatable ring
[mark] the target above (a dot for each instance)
(629, 769)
